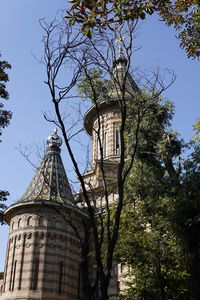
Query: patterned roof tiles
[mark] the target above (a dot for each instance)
(50, 182)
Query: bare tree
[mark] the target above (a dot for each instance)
(64, 49)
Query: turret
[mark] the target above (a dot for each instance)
(103, 125)
(43, 253)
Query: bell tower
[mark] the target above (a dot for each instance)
(102, 123)
(43, 253)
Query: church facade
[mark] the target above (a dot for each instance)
(44, 254)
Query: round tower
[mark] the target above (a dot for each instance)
(43, 253)
(102, 123)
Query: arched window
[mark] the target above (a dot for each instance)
(19, 222)
(123, 267)
(29, 219)
(117, 142)
(13, 225)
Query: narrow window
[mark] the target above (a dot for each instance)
(97, 147)
(29, 221)
(123, 267)
(19, 222)
(117, 142)
(35, 274)
(105, 144)
(60, 279)
(13, 279)
(13, 265)
(22, 262)
(13, 225)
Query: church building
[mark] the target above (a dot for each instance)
(43, 253)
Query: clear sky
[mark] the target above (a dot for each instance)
(20, 41)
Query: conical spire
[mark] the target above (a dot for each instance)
(50, 182)
(121, 59)
(120, 68)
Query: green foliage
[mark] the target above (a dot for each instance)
(183, 15)
(3, 197)
(94, 86)
(187, 213)
(157, 260)
(154, 250)
(197, 129)
(156, 115)
(4, 78)
(5, 117)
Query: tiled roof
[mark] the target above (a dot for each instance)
(50, 182)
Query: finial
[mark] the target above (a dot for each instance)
(55, 131)
(120, 60)
(54, 139)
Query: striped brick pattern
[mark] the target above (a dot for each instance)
(43, 256)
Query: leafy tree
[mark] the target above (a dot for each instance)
(94, 82)
(153, 250)
(3, 197)
(157, 247)
(160, 223)
(95, 60)
(197, 129)
(186, 217)
(157, 262)
(5, 117)
(150, 183)
(183, 15)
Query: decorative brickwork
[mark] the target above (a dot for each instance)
(43, 253)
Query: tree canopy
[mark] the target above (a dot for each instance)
(5, 117)
(184, 16)
(152, 181)
(160, 221)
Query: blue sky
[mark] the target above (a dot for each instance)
(20, 36)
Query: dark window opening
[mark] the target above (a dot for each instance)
(35, 274)
(60, 279)
(29, 221)
(13, 279)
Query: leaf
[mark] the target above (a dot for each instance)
(88, 33)
(142, 15)
(75, 5)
